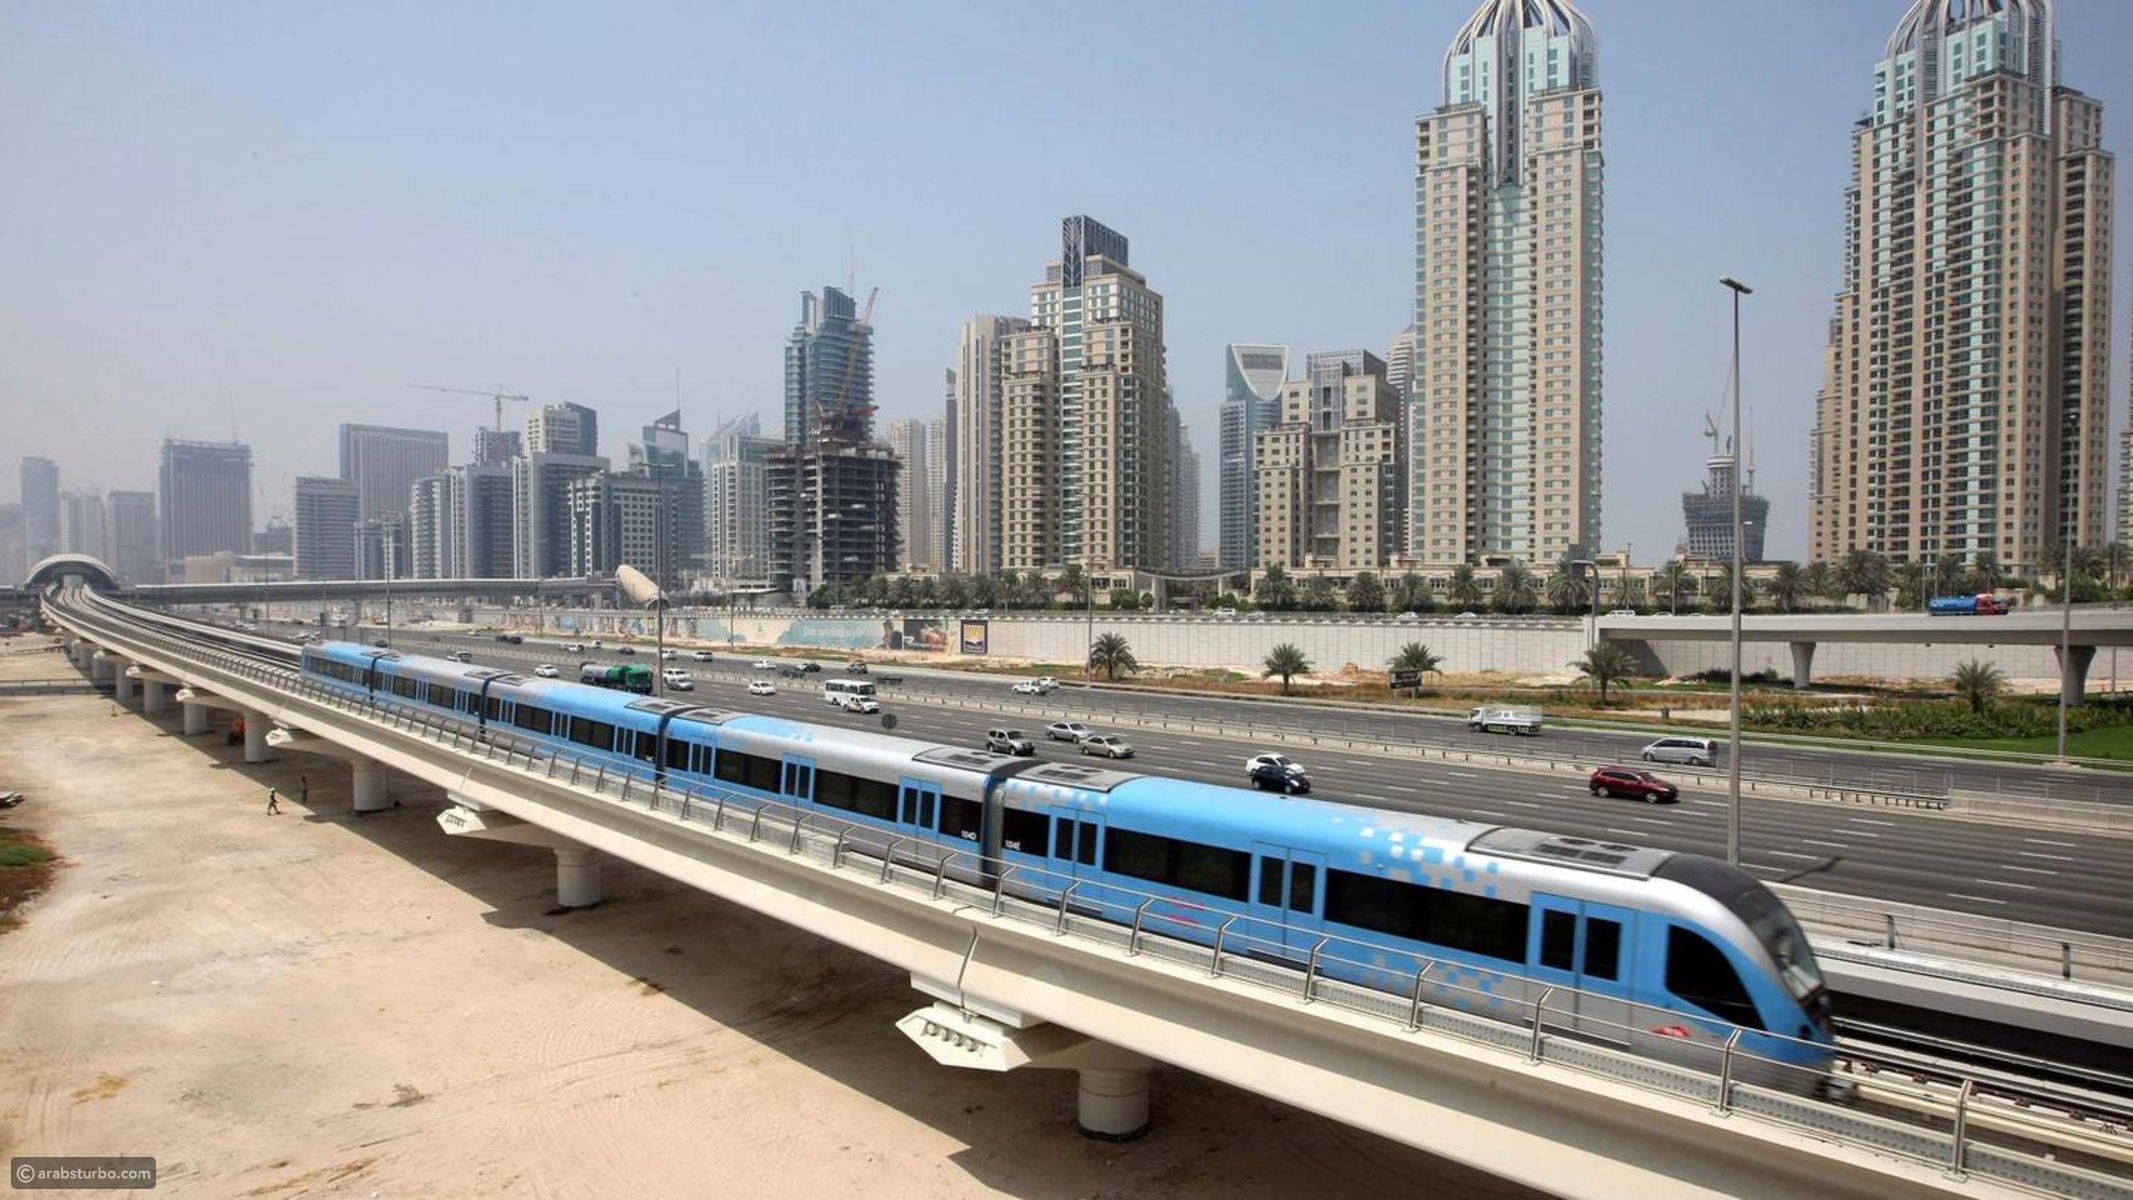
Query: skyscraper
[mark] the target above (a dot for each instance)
(829, 371)
(663, 457)
(1251, 404)
(81, 523)
(40, 508)
(429, 528)
(940, 489)
(130, 535)
(327, 511)
(1185, 499)
(1504, 410)
(1107, 386)
(481, 521)
(976, 414)
(383, 463)
(618, 519)
(205, 496)
(540, 510)
(1965, 405)
(1707, 514)
(1329, 474)
(917, 512)
(14, 550)
(561, 429)
(737, 501)
(833, 513)
(381, 548)
(493, 446)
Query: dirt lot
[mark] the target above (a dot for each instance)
(312, 1004)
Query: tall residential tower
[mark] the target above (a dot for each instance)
(1964, 410)
(1251, 405)
(1504, 410)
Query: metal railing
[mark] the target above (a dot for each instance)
(1949, 1120)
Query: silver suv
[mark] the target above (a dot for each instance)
(1696, 752)
(1009, 741)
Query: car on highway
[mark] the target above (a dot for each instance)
(1621, 612)
(1046, 683)
(622, 649)
(855, 667)
(1028, 687)
(574, 647)
(1257, 761)
(1409, 618)
(1110, 745)
(1067, 731)
(379, 643)
(761, 687)
(1009, 741)
(1695, 752)
(764, 664)
(546, 671)
(1225, 611)
(810, 666)
(1635, 784)
(1284, 777)
(669, 655)
(677, 679)
(465, 656)
(861, 704)
(700, 655)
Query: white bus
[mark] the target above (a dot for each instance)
(854, 695)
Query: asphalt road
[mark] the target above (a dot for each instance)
(2052, 878)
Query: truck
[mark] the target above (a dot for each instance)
(621, 678)
(1504, 718)
(1986, 605)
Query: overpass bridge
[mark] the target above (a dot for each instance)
(81, 569)
(1020, 982)
(2086, 628)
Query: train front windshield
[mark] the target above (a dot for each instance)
(1761, 911)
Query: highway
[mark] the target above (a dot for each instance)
(2072, 881)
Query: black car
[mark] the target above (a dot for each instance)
(810, 667)
(789, 671)
(855, 668)
(621, 649)
(1273, 777)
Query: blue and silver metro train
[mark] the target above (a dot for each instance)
(1502, 913)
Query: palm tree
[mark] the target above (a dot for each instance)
(1566, 587)
(929, 592)
(1718, 589)
(1977, 682)
(1984, 573)
(1516, 590)
(1465, 590)
(1819, 579)
(984, 591)
(1275, 590)
(1670, 581)
(1912, 585)
(2117, 562)
(1365, 593)
(1318, 595)
(1416, 657)
(1786, 587)
(1863, 573)
(1606, 664)
(1288, 662)
(1946, 577)
(1110, 654)
(1411, 593)
(1036, 590)
(1075, 582)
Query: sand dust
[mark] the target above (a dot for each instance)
(316, 1005)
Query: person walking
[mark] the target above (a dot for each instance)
(273, 803)
(303, 790)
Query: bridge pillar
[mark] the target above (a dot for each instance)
(81, 652)
(121, 683)
(256, 727)
(369, 785)
(2074, 673)
(195, 718)
(1803, 662)
(154, 697)
(577, 877)
(1112, 1102)
(100, 665)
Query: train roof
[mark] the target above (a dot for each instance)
(1615, 858)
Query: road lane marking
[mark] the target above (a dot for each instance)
(1869, 821)
(1820, 842)
(1628, 833)
(1975, 899)
(1462, 774)
(2041, 854)
(1651, 820)
(2049, 842)
(1796, 854)
(1862, 833)
(1526, 804)
(2027, 887)
(2031, 870)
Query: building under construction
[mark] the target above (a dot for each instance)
(1709, 512)
(832, 487)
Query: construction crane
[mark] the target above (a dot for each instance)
(842, 423)
(499, 396)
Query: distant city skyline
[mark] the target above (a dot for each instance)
(177, 168)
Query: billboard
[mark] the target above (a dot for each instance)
(915, 633)
(973, 637)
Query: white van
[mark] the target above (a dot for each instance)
(1696, 752)
(851, 695)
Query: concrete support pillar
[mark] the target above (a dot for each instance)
(195, 718)
(121, 682)
(255, 735)
(154, 697)
(577, 877)
(1112, 1104)
(1803, 663)
(81, 652)
(100, 665)
(369, 785)
(2074, 673)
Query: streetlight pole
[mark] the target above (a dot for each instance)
(2066, 637)
(1733, 716)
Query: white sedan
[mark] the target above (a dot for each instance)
(764, 664)
(761, 687)
(545, 671)
(1110, 745)
(574, 647)
(1283, 761)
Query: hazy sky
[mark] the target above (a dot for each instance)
(287, 213)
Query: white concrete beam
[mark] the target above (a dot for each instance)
(577, 866)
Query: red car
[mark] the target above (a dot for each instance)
(1638, 785)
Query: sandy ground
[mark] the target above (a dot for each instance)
(312, 1004)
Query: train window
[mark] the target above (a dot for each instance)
(1479, 924)
(469, 703)
(496, 708)
(963, 819)
(1085, 844)
(833, 789)
(1476, 924)
(1270, 882)
(730, 766)
(853, 794)
(1559, 935)
(531, 719)
(403, 686)
(1144, 856)
(1699, 973)
(677, 754)
(442, 696)
(1603, 948)
(1023, 831)
(1303, 887)
(598, 734)
(925, 810)
(1380, 905)
(1213, 870)
(647, 746)
(799, 781)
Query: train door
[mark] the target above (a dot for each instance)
(917, 808)
(1584, 950)
(1285, 901)
(797, 786)
(1077, 854)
